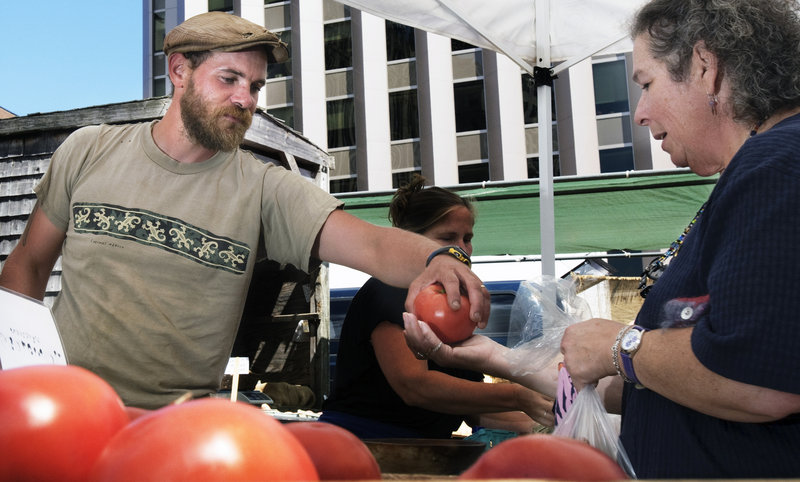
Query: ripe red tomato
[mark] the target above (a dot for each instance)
(135, 412)
(336, 452)
(539, 456)
(56, 420)
(206, 439)
(450, 326)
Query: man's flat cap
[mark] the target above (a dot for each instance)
(223, 32)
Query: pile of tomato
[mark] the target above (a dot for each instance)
(65, 423)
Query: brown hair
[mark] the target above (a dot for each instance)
(417, 208)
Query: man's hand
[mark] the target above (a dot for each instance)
(457, 278)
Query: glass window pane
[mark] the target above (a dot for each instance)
(403, 114)
(158, 4)
(470, 109)
(402, 178)
(343, 185)
(278, 17)
(616, 160)
(284, 114)
(399, 41)
(533, 167)
(456, 45)
(159, 65)
(473, 172)
(341, 123)
(220, 5)
(282, 69)
(158, 31)
(610, 87)
(530, 105)
(338, 47)
(159, 87)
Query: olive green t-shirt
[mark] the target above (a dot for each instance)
(159, 254)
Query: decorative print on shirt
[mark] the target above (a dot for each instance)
(163, 232)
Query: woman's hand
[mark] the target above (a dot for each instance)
(537, 406)
(478, 352)
(587, 350)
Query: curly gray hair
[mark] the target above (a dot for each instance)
(757, 43)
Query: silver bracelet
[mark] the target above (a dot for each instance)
(615, 354)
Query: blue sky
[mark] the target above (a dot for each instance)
(60, 54)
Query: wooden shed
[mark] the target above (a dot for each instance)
(286, 321)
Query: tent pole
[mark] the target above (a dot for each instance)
(544, 100)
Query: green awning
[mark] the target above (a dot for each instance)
(642, 211)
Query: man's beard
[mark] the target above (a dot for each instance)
(208, 127)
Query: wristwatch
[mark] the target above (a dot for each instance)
(628, 346)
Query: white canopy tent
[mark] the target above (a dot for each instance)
(533, 33)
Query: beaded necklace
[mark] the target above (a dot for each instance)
(656, 268)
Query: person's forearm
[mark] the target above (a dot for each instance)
(393, 255)
(512, 421)
(27, 281)
(443, 393)
(666, 364)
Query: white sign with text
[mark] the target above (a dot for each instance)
(28, 333)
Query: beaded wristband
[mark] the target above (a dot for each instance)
(453, 251)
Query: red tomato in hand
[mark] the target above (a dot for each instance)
(55, 422)
(539, 456)
(207, 439)
(336, 452)
(450, 326)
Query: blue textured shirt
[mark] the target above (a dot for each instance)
(742, 254)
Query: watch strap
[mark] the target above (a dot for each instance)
(627, 362)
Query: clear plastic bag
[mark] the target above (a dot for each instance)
(542, 310)
(586, 419)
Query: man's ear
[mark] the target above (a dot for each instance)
(708, 65)
(179, 69)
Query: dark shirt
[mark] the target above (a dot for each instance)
(741, 253)
(361, 391)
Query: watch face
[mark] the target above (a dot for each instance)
(631, 340)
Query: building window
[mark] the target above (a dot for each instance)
(220, 6)
(159, 61)
(341, 123)
(276, 70)
(619, 159)
(477, 172)
(533, 167)
(348, 184)
(284, 114)
(403, 114)
(456, 45)
(610, 87)
(399, 42)
(404, 177)
(469, 102)
(338, 46)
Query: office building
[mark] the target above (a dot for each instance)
(386, 100)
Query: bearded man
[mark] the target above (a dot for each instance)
(159, 225)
